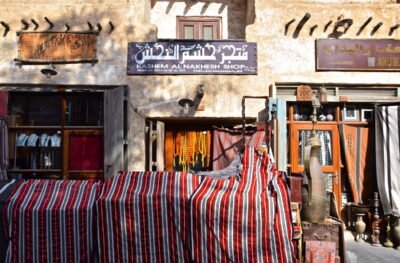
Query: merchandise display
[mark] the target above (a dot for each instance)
(40, 125)
(191, 150)
(177, 217)
(62, 230)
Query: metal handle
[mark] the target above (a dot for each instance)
(327, 235)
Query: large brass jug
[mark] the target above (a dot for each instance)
(314, 199)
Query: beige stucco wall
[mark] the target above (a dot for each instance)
(128, 20)
(281, 58)
(299, 54)
(330, 2)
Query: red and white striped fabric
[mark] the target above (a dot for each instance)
(144, 217)
(51, 221)
(245, 220)
(227, 144)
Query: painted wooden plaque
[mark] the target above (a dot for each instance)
(58, 47)
(304, 93)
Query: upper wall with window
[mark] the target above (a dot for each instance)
(233, 16)
(339, 1)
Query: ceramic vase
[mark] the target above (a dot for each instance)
(360, 227)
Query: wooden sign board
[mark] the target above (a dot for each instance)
(57, 47)
(358, 54)
(304, 93)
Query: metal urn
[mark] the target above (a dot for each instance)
(314, 198)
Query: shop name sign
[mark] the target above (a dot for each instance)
(57, 47)
(358, 54)
(195, 57)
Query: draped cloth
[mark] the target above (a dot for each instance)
(358, 149)
(3, 149)
(227, 143)
(86, 152)
(51, 221)
(387, 140)
(3, 135)
(144, 217)
(6, 188)
(243, 220)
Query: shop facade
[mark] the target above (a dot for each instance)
(106, 105)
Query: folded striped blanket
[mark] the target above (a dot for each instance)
(6, 188)
(51, 221)
(245, 219)
(144, 217)
(173, 217)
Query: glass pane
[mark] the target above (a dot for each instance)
(325, 155)
(85, 153)
(207, 32)
(84, 109)
(328, 182)
(188, 32)
(36, 150)
(33, 109)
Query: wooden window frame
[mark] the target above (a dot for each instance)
(198, 23)
(65, 130)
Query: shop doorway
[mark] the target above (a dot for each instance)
(189, 144)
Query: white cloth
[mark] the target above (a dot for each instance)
(32, 139)
(55, 140)
(387, 137)
(21, 139)
(44, 140)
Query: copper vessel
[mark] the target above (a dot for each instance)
(314, 196)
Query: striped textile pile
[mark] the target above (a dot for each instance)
(6, 188)
(245, 220)
(172, 217)
(144, 217)
(51, 221)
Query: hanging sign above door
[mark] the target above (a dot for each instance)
(304, 93)
(192, 57)
(57, 47)
(358, 54)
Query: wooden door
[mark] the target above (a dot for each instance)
(155, 145)
(113, 131)
(329, 155)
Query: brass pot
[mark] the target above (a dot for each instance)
(314, 199)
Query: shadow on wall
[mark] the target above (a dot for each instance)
(241, 13)
(110, 70)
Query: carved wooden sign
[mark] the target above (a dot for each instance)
(59, 47)
(304, 93)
